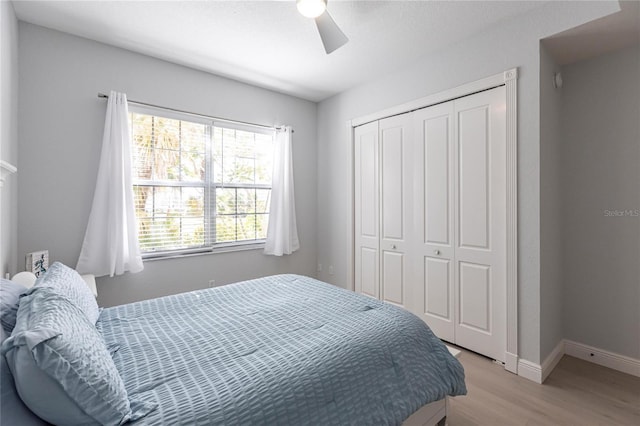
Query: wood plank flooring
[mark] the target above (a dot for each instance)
(576, 393)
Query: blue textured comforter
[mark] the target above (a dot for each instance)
(281, 350)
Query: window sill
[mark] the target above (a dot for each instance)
(152, 257)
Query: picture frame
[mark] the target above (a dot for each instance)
(37, 262)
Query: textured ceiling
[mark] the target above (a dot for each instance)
(612, 32)
(268, 43)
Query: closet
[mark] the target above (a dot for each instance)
(383, 170)
(430, 217)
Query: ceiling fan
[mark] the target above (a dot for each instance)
(331, 35)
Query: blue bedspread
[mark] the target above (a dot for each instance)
(279, 350)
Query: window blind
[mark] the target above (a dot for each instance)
(199, 185)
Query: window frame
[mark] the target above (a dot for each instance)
(208, 185)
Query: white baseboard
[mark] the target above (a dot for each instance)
(552, 360)
(538, 373)
(608, 359)
(530, 370)
(511, 362)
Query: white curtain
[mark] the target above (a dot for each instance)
(282, 233)
(111, 241)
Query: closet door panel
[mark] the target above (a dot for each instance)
(480, 209)
(368, 187)
(368, 271)
(393, 146)
(433, 218)
(437, 146)
(475, 296)
(366, 210)
(437, 278)
(473, 184)
(393, 280)
(395, 183)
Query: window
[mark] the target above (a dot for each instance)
(198, 184)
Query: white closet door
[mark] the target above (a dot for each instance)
(395, 192)
(434, 218)
(480, 212)
(366, 210)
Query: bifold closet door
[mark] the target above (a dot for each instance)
(395, 207)
(460, 221)
(480, 233)
(382, 192)
(434, 218)
(367, 210)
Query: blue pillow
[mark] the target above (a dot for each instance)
(61, 366)
(69, 283)
(13, 411)
(10, 293)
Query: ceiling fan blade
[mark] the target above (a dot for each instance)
(332, 36)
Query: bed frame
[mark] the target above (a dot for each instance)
(435, 413)
(431, 414)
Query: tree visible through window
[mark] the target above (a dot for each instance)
(199, 184)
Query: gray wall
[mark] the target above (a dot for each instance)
(8, 136)
(551, 286)
(515, 43)
(60, 125)
(601, 172)
(60, 129)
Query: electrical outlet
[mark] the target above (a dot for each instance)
(319, 269)
(212, 283)
(330, 269)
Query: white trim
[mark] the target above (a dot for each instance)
(511, 362)
(446, 95)
(172, 113)
(350, 209)
(5, 170)
(552, 360)
(539, 373)
(602, 357)
(178, 254)
(530, 370)
(167, 113)
(509, 79)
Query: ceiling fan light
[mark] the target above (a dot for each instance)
(311, 8)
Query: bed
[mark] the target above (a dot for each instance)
(285, 349)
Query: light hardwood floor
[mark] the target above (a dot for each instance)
(576, 393)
